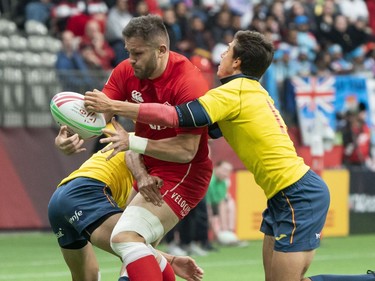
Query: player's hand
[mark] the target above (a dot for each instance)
(98, 101)
(149, 187)
(186, 268)
(67, 143)
(119, 139)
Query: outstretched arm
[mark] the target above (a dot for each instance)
(190, 114)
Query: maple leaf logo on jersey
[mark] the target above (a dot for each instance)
(137, 96)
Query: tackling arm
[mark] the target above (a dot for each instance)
(190, 114)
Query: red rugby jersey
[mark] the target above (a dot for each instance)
(180, 82)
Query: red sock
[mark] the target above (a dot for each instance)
(145, 268)
(168, 273)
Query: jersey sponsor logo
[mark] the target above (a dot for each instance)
(157, 127)
(182, 203)
(75, 217)
(281, 236)
(59, 234)
(137, 96)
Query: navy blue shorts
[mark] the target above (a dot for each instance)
(76, 205)
(296, 215)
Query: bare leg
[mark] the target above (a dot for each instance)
(82, 262)
(280, 266)
(268, 244)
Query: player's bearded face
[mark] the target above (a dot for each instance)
(145, 69)
(143, 58)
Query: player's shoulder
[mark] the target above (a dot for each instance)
(179, 61)
(183, 69)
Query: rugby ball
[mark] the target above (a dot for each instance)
(67, 108)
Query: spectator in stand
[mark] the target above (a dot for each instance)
(339, 65)
(95, 50)
(71, 68)
(356, 140)
(173, 28)
(322, 64)
(273, 29)
(346, 35)
(325, 22)
(297, 9)
(182, 19)
(353, 9)
(141, 9)
(305, 38)
(303, 65)
(93, 10)
(39, 11)
(118, 17)
(360, 66)
(223, 23)
(199, 35)
(62, 11)
(277, 11)
(258, 24)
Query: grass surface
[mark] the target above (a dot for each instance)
(35, 256)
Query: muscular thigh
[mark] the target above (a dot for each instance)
(166, 215)
(184, 188)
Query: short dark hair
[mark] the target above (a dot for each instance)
(150, 28)
(254, 51)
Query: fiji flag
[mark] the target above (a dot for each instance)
(314, 96)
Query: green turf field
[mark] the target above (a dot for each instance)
(35, 256)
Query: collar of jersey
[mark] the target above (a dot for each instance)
(230, 78)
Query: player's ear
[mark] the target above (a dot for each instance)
(162, 49)
(237, 63)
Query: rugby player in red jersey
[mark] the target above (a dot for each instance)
(155, 74)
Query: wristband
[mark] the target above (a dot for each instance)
(137, 144)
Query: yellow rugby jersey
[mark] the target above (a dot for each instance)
(255, 130)
(114, 173)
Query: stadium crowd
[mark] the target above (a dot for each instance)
(311, 36)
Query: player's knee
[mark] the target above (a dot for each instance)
(137, 222)
(126, 236)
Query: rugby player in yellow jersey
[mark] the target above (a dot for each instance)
(87, 205)
(298, 199)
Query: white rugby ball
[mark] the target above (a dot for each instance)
(67, 108)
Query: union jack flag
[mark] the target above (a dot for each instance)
(314, 94)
